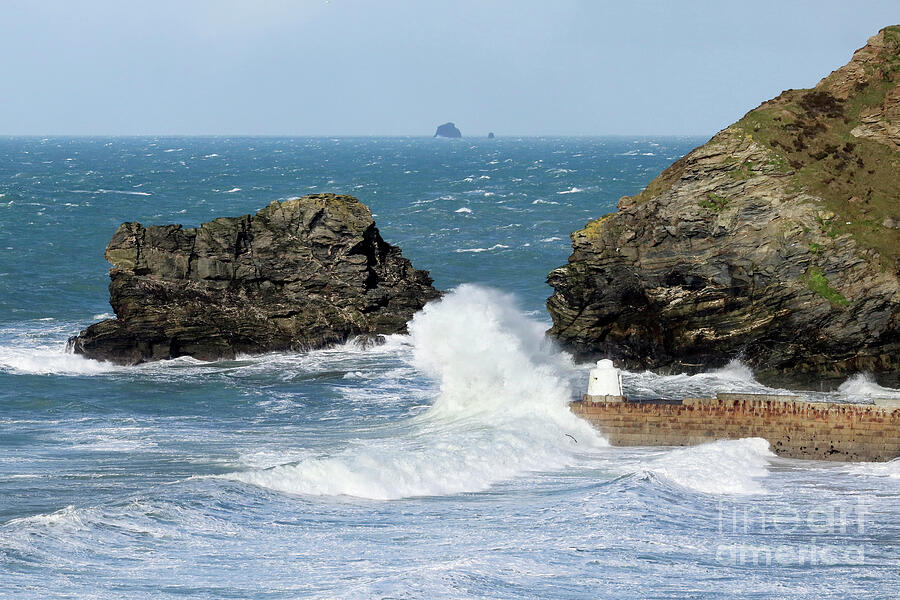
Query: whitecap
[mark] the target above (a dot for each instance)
(463, 210)
(572, 190)
(477, 250)
(65, 516)
(232, 190)
(863, 385)
(104, 191)
(734, 377)
(501, 410)
(735, 370)
(720, 467)
(889, 469)
(44, 360)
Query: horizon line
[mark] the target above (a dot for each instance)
(343, 135)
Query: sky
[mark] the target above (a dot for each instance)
(394, 67)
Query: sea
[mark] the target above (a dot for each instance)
(442, 464)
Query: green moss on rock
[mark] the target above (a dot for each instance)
(817, 282)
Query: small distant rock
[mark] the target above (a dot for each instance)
(448, 130)
(891, 223)
(491, 135)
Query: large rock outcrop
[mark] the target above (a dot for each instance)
(775, 242)
(448, 130)
(299, 274)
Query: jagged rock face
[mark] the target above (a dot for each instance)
(448, 130)
(771, 243)
(300, 274)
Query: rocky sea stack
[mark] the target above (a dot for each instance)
(299, 274)
(776, 242)
(448, 130)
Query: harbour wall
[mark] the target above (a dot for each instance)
(793, 428)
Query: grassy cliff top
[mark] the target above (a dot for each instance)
(840, 141)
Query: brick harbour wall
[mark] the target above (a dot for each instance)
(793, 428)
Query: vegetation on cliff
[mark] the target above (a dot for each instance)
(778, 241)
(841, 140)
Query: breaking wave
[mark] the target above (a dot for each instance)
(501, 410)
(479, 250)
(889, 469)
(863, 385)
(733, 377)
(104, 191)
(39, 348)
(49, 361)
(721, 467)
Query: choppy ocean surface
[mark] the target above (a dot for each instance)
(441, 464)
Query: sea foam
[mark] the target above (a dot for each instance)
(479, 250)
(863, 385)
(501, 410)
(721, 467)
(39, 348)
(49, 361)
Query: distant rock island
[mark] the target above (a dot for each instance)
(775, 242)
(491, 135)
(299, 274)
(447, 130)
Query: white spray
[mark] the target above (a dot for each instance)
(502, 410)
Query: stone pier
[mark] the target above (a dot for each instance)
(794, 428)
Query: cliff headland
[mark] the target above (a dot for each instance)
(778, 241)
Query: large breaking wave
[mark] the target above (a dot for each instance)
(501, 410)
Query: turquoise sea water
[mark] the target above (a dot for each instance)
(441, 464)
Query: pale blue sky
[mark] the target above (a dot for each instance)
(356, 67)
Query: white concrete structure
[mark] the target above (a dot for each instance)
(605, 380)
